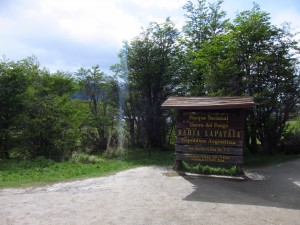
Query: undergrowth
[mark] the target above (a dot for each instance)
(16, 173)
(206, 169)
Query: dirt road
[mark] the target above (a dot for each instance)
(153, 195)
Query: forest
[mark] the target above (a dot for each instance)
(54, 115)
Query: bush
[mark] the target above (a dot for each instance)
(206, 169)
(114, 153)
(292, 143)
(84, 158)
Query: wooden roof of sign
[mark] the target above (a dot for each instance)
(243, 102)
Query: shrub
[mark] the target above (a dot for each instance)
(206, 169)
(292, 143)
(80, 157)
(114, 153)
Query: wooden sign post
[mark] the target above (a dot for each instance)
(210, 130)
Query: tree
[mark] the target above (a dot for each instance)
(204, 22)
(154, 71)
(103, 99)
(13, 84)
(38, 117)
(269, 75)
(49, 125)
(255, 58)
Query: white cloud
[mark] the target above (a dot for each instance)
(65, 34)
(91, 20)
(56, 28)
(161, 4)
(290, 16)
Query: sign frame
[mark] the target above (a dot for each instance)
(210, 130)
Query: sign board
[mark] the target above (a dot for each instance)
(210, 130)
(210, 136)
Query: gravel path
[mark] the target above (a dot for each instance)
(156, 195)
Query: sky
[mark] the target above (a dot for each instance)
(69, 34)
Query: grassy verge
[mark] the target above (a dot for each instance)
(254, 161)
(15, 173)
(206, 169)
(250, 162)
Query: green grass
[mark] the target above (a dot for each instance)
(294, 125)
(250, 162)
(18, 173)
(206, 169)
(254, 161)
(14, 173)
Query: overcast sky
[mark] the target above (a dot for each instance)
(69, 34)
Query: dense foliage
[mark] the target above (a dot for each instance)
(55, 114)
(254, 58)
(153, 74)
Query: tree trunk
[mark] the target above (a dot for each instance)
(4, 149)
(253, 146)
(132, 133)
(4, 154)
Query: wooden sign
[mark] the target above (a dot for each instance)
(210, 136)
(210, 130)
(222, 150)
(210, 158)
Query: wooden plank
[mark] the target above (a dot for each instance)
(209, 133)
(209, 141)
(210, 130)
(209, 125)
(193, 149)
(237, 102)
(197, 117)
(210, 158)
